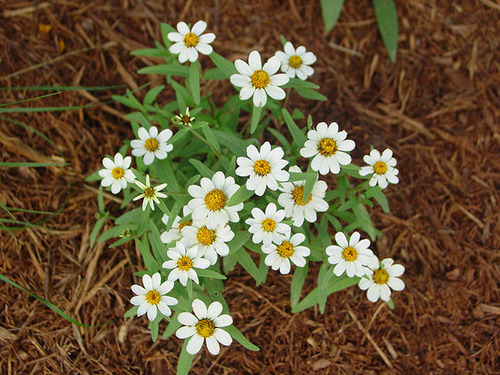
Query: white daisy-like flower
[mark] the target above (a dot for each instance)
(264, 168)
(296, 61)
(184, 119)
(329, 147)
(209, 203)
(381, 279)
(182, 262)
(286, 250)
(150, 194)
(259, 81)
(210, 242)
(175, 231)
(351, 256)
(205, 325)
(152, 296)
(293, 194)
(267, 227)
(152, 145)
(188, 42)
(116, 173)
(382, 168)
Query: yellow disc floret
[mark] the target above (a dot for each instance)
(153, 297)
(327, 146)
(260, 79)
(295, 61)
(185, 224)
(285, 250)
(151, 144)
(262, 167)
(349, 254)
(205, 328)
(381, 277)
(380, 167)
(215, 200)
(185, 263)
(149, 192)
(205, 236)
(268, 225)
(191, 40)
(298, 196)
(118, 173)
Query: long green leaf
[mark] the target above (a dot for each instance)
(185, 360)
(256, 114)
(387, 20)
(194, 81)
(298, 137)
(223, 64)
(299, 276)
(238, 336)
(330, 10)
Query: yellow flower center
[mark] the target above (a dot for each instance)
(151, 144)
(153, 297)
(262, 167)
(205, 328)
(205, 236)
(215, 200)
(117, 173)
(186, 120)
(191, 40)
(349, 254)
(268, 225)
(185, 263)
(298, 196)
(380, 277)
(185, 224)
(285, 250)
(327, 146)
(260, 79)
(380, 167)
(295, 61)
(149, 192)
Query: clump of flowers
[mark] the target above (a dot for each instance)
(212, 195)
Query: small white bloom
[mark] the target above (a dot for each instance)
(153, 296)
(209, 203)
(210, 242)
(116, 173)
(285, 251)
(267, 227)
(296, 62)
(203, 326)
(150, 194)
(265, 168)
(175, 231)
(152, 145)
(188, 42)
(382, 279)
(330, 146)
(292, 196)
(258, 80)
(382, 168)
(182, 263)
(185, 120)
(352, 257)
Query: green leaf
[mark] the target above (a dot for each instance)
(131, 312)
(209, 135)
(331, 11)
(247, 263)
(185, 360)
(194, 81)
(241, 195)
(210, 273)
(238, 336)
(233, 143)
(256, 114)
(202, 168)
(240, 239)
(284, 142)
(390, 303)
(377, 193)
(297, 135)
(309, 184)
(168, 69)
(152, 94)
(387, 20)
(310, 94)
(97, 228)
(149, 260)
(364, 221)
(159, 248)
(173, 325)
(324, 275)
(214, 74)
(226, 67)
(299, 276)
(353, 202)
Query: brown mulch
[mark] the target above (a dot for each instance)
(437, 107)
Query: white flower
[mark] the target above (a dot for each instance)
(285, 251)
(329, 146)
(292, 196)
(185, 120)
(150, 194)
(351, 257)
(175, 231)
(380, 281)
(152, 145)
(210, 242)
(188, 42)
(182, 263)
(265, 168)
(382, 168)
(296, 62)
(210, 201)
(258, 80)
(267, 227)
(116, 173)
(203, 326)
(153, 296)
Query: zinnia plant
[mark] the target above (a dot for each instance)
(213, 196)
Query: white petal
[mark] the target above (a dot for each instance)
(194, 344)
(254, 61)
(199, 27)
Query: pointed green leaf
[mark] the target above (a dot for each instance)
(194, 81)
(299, 276)
(298, 137)
(330, 10)
(238, 336)
(387, 20)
